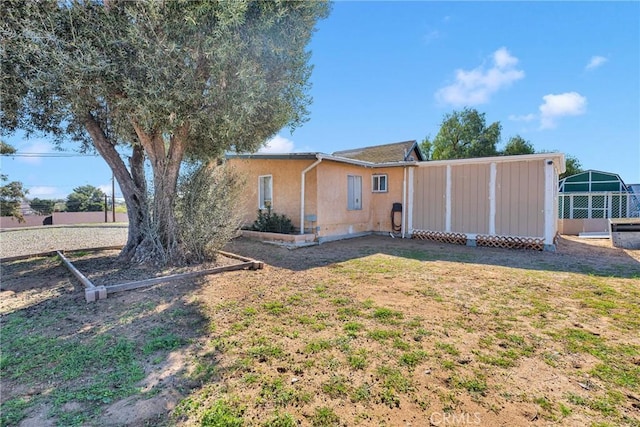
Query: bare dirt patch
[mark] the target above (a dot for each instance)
(370, 331)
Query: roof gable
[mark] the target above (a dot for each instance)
(405, 151)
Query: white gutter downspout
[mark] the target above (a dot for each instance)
(404, 200)
(302, 178)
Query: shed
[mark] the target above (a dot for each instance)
(589, 199)
(592, 181)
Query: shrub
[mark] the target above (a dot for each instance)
(271, 222)
(207, 210)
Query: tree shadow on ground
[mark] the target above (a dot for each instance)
(130, 358)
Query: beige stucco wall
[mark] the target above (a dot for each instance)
(325, 194)
(335, 219)
(520, 198)
(586, 225)
(286, 186)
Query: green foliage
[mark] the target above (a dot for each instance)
(42, 206)
(85, 198)
(316, 346)
(386, 315)
(274, 307)
(12, 411)
(413, 358)
(265, 351)
(280, 420)
(222, 414)
(358, 360)
(572, 166)
(517, 145)
(11, 196)
(361, 394)
(336, 386)
(325, 417)
(6, 149)
(393, 379)
(208, 210)
(271, 222)
(162, 340)
(426, 146)
(168, 81)
(280, 395)
(464, 134)
(476, 385)
(382, 334)
(76, 370)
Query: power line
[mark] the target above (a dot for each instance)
(50, 155)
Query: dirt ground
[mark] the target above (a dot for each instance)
(446, 298)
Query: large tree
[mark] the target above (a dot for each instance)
(169, 81)
(572, 166)
(518, 145)
(464, 134)
(12, 193)
(85, 198)
(42, 206)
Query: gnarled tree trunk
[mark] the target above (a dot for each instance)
(153, 231)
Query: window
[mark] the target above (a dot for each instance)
(265, 191)
(379, 183)
(354, 192)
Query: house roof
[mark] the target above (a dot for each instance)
(320, 157)
(387, 153)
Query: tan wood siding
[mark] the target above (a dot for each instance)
(429, 186)
(520, 198)
(470, 198)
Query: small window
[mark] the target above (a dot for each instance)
(265, 191)
(354, 192)
(379, 183)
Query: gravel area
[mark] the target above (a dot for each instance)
(17, 242)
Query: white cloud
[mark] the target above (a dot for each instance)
(277, 144)
(559, 105)
(44, 192)
(105, 188)
(476, 86)
(34, 148)
(595, 62)
(523, 118)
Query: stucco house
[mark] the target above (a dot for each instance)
(496, 201)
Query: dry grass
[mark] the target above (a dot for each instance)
(377, 331)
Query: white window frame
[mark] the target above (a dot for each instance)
(354, 192)
(376, 180)
(262, 200)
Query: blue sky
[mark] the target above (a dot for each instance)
(565, 76)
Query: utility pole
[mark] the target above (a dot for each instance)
(113, 197)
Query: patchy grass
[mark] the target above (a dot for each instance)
(366, 332)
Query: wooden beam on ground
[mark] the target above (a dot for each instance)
(91, 292)
(155, 280)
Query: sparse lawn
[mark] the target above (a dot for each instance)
(372, 331)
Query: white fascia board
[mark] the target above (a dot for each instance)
(560, 163)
